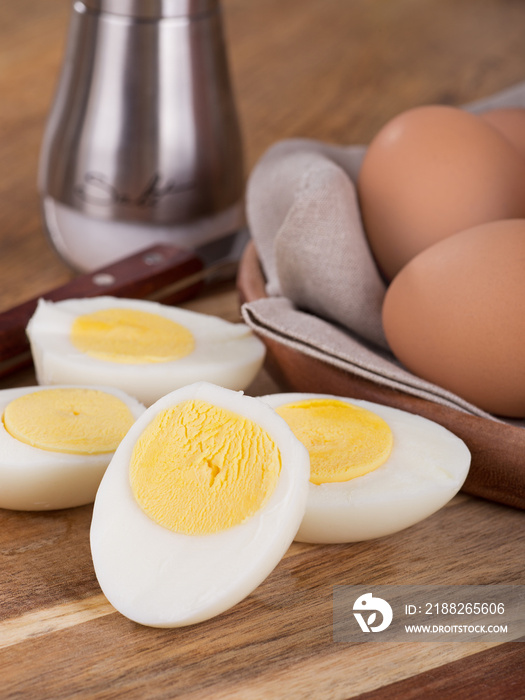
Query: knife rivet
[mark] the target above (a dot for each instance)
(153, 258)
(103, 279)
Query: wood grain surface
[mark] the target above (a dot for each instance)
(329, 69)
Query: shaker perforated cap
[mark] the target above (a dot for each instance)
(149, 9)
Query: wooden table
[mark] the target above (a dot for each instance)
(328, 69)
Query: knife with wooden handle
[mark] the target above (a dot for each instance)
(161, 273)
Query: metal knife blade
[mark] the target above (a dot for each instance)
(161, 273)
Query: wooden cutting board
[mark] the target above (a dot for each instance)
(60, 638)
(323, 69)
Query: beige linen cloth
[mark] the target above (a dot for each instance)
(324, 291)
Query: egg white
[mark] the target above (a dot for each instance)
(225, 353)
(35, 479)
(426, 468)
(161, 578)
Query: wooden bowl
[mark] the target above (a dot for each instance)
(498, 450)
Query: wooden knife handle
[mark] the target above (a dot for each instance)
(137, 276)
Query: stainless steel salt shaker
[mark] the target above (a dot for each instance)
(142, 144)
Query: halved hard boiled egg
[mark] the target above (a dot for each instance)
(375, 470)
(202, 499)
(142, 347)
(55, 443)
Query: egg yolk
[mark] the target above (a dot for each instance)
(199, 469)
(76, 421)
(344, 441)
(131, 336)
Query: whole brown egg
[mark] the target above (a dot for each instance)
(431, 172)
(455, 315)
